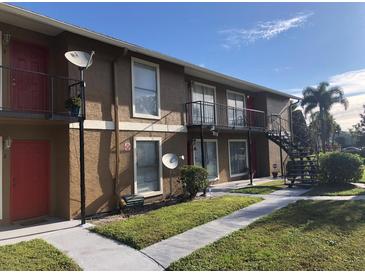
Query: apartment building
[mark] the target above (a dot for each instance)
(139, 104)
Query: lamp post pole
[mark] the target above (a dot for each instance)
(82, 153)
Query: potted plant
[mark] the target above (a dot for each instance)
(275, 171)
(73, 105)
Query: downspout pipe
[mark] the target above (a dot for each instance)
(116, 133)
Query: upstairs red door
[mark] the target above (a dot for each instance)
(28, 90)
(30, 179)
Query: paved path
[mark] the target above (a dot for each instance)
(176, 247)
(94, 252)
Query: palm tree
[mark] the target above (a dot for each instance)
(323, 97)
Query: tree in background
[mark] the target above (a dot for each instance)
(358, 131)
(300, 128)
(322, 97)
(332, 130)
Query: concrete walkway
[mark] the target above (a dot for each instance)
(17, 233)
(179, 246)
(94, 252)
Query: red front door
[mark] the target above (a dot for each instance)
(28, 90)
(30, 178)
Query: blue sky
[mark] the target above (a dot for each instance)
(285, 46)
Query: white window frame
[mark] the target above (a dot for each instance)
(215, 95)
(157, 67)
(197, 143)
(229, 157)
(1, 71)
(1, 177)
(235, 92)
(155, 139)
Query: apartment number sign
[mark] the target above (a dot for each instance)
(127, 146)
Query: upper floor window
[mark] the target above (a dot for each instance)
(145, 89)
(203, 108)
(236, 104)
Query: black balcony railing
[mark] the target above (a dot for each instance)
(212, 114)
(27, 93)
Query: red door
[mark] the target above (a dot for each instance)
(30, 178)
(28, 90)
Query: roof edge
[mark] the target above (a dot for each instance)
(119, 43)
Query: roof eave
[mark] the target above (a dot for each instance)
(112, 41)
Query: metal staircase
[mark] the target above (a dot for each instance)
(302, 166)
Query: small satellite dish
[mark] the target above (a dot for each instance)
(80, 58)
(170, 160)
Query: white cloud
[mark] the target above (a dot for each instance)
(353, 85)
(281, 69)
(346, 119)
(263, 30)
(352, 82)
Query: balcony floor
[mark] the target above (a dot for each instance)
(225, 128)
(25, 115)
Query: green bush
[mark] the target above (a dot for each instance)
(340, 168)
(193, 179)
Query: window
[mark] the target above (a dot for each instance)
(147, 169)
(203, 112)
(235, 109)
(238, 157)
(210, 157)
(145, 89)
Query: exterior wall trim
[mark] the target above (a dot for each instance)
(130, 126)
(159, 140)
(140, 115)
(229, 157)
(95, 124)
(217, 152)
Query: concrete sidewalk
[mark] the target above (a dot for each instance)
(16, 233)
(179, 246)
(94, 252)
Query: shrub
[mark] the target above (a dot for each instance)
(193, 179)
(340, 168)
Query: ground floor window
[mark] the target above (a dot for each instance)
(147, 165)
(238, 162)
(210, 157)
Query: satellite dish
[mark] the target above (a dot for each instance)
(80, 58)
(170, 160)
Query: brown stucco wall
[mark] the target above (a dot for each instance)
(172, 91)
(57, 136)
(99, 79)
(100, 167)
(276, 105)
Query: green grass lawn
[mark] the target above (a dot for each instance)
(335, 190)
(307, 235)
(34, 255)
(265, 188)
(146, 229)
